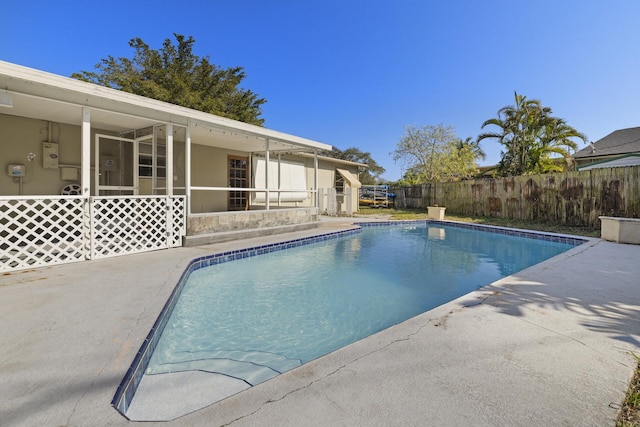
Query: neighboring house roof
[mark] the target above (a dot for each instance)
(40, 95)
(622, 141)
(612, 162)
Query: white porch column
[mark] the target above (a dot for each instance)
(266, 173)
(85, 180)
(169, 160)
(85, 163)
(279, 179)
(187, 167)
(315, 176)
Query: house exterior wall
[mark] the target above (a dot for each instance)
(20, 136)
(209, 168)
(327, 178)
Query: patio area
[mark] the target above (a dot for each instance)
(551, 345)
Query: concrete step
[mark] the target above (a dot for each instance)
(226, 236)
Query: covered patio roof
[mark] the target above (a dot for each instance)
(40, 95)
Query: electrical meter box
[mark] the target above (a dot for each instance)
(16, 170)
(50, 155)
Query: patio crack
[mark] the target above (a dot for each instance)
(406, 337)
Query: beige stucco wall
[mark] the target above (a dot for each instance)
(327, 178)
(21, 136)
(209, 168)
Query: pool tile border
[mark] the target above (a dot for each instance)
(538, 235)
(129, 384)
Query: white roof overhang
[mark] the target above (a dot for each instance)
(336, 161)
(45, 96)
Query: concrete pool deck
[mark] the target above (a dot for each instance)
(551, 345)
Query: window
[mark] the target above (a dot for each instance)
(292, 176)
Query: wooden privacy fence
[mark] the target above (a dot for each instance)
(571, 198)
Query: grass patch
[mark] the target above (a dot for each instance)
(629, 415)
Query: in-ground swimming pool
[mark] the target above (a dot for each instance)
(256, 317)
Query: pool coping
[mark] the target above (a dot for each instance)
(130, 382)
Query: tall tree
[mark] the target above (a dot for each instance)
(174, 74)
(473, 145)
(435, 154)
(532, 138)
(371, 174)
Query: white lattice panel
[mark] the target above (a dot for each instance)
(127, 225)
(39, 231)
(178, 221)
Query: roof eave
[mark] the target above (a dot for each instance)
(65, 89)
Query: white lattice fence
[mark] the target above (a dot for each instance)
(177, 220)
(39, 231)
(134, 224)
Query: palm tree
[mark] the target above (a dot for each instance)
(554, 141)
(473, 146)
(531, 136)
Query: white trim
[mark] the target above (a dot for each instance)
(86, 152)
(168, 179)
(187, 167)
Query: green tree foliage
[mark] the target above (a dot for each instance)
(371, 174)
(533, 139)
(473, 146)
(436, 154)
(174, 74)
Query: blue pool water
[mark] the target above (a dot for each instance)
(256, 317)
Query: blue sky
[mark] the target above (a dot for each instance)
(355, 73)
